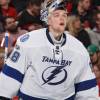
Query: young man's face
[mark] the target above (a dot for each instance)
(98, 20)
(35, 10)
(96, 71)
(86, 4)
(57, 20)
(77, 23)
(94, 57)
(11, 25)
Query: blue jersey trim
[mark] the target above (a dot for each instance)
(85, 85)
(27, 97)
(71, 98)
(13, 73)
(50, 40)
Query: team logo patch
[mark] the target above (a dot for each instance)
(15, 56)
(54, 75)
(24, 38)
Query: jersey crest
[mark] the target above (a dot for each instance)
(53, 75)
(24, 38)
(15, 56)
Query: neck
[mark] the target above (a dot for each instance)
(56, 34)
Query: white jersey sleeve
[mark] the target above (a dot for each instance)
(13, 71)
(86, 85)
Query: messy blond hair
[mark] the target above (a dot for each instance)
(70, 24)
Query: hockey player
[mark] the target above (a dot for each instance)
(49, 64)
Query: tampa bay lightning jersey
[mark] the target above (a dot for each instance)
(42, 68)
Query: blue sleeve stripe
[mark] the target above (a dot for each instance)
(13, 73)
(85, 85)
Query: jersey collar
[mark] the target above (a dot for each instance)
(50, 39)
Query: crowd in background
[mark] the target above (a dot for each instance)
(18, 17)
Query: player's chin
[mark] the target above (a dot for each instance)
(62, 29)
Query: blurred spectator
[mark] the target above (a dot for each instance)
(96, 4)
(19, 4)
(6, 9)
(11, 27)
(95, 32)
(31, 15)
(1, 27)
(83, 10)
(69, 5)
(96, 70)
(75, 28)
(13, 33)
(1, 24)
(1, 53)
(98, 21)
(94, 51)
(34, 26)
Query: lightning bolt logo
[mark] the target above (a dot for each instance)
(54, 73)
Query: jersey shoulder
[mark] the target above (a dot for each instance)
(75, 45)
(35, 37)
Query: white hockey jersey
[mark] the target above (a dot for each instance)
(39, 69)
